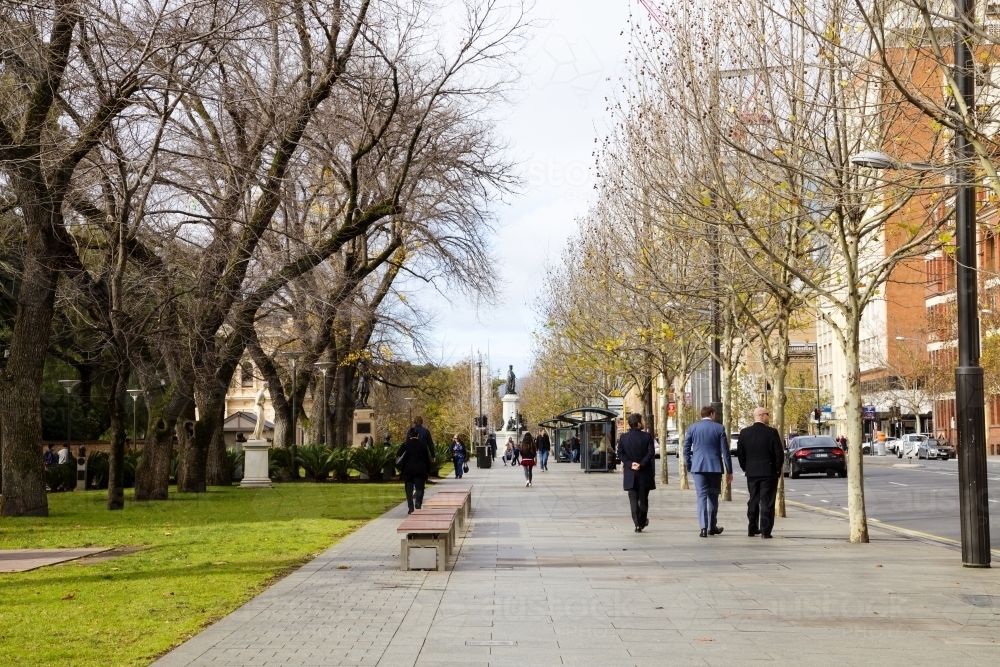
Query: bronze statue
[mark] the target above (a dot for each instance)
(363, 390)
(511, 380)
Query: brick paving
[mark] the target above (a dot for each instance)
(554, 575)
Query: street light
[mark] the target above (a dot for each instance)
(324, 367)
(134, 393)
(409, 401)
(970, 409)
(293, 357)
(68, 385)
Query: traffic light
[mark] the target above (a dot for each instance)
(818, 414)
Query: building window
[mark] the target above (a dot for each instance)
(246, 375)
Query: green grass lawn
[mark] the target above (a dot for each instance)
(202, 556)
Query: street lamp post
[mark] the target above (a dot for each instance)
(68, 385)
(409, 407)
(970, 409)
(293, 358)
(324, 367)
(134, 393)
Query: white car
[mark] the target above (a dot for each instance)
(672, 445)
(733, 439)
(892, 445)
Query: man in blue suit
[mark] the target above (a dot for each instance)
(705, 449)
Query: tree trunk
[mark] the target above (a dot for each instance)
(778, 388)
(184, 431)
(152, 477)
(852, 413)
(681, 432)
(116, 457)
(343, 414)
(210, 398)
(726, 369)
(23, 472)
(648, 417)
(664, 460)
(218, 472)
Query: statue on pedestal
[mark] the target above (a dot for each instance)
(258, 411)
(363, 390)
(511, 380)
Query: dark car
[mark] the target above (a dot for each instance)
(814, 454)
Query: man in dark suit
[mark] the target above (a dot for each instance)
(760, 455)
(637, 454)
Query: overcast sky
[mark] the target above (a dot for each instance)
(573, 63)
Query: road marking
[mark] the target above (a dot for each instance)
(994, 501)
(898, 484)
(889, 526)
(824, 501)
(807, 495)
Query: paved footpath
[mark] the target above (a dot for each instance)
(555, 575)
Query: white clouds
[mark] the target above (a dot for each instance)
(574, 62)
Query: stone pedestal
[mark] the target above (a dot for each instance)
(511, 404)
(363, 426)
(255, 465)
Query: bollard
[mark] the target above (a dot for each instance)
(81, 469)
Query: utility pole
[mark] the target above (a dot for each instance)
(969, 404)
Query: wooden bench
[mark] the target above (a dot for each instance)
(431, 530)
(464, 497)
(454, 501)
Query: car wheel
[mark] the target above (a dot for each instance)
(842, 473)
(831, 473)
(899, 455)
(795, 472)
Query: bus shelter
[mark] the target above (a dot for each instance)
(561, 434)
(596, 429)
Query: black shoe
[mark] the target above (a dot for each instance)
(638, 529)
(753, 533)
(716, 531)
(703, 533)
(409, 511)
(646, 523)
(766, 537)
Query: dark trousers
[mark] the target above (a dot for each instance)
(414, 491)
(638, 500)
(760, 507)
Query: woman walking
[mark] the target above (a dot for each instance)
(415, 468)
(527, 457)
(459, 454)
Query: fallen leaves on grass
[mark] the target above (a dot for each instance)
(69, 596)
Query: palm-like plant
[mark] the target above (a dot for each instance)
(371, 460)
(341, 462)
(442, 453)
(317, 460)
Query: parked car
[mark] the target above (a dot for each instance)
(733, 439)
(925, 449)
(810, 454)
(673, 445)
(909, 444)
(891, 445)
(946, 450)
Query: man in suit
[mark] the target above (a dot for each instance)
(705, 451)
(761, 455)
(637, 454)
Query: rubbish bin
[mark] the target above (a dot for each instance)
(880, 447)
(483, 459)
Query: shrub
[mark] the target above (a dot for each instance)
(98, 470)
(371, 461)
(442, 455)
(317, 460)
(235, 461)
(341, 462)
(279, 463)
(61, 477)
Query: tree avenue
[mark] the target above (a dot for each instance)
(730, 214)
(188, 186)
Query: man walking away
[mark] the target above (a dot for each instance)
(760, 455)
(63, 454)
(575, 448)
(49, 458)
(637, 454)
(544, 446)
(491, 447)
(706, 450)
(415, 467)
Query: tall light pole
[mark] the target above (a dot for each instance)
(479, 417)
(409, 405)
(293, 358)
(324, 367)
(68, 386)
(134, 393)
(970, 409)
